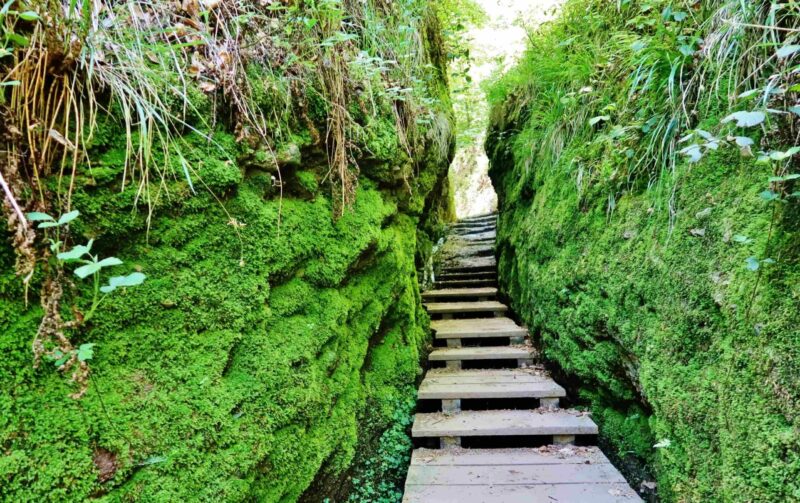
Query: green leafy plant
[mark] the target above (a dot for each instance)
(51, 340)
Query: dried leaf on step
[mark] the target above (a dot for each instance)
(58, 137)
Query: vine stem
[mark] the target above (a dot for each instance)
(105, 410)
(97, 300)
(766, 254)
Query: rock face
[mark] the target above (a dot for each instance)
(274, 343)
(625, 268)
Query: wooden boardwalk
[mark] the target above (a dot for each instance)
(472, 330)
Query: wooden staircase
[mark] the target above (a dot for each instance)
(472, 330)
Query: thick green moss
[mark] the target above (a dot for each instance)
(236, 389)
(633, 283)
(643, 312)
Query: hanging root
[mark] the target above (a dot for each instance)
(50, 341)
(339, 143)
(22, 234)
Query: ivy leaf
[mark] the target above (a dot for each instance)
(693, 152)
(782, 156)
(785, 178)
(86, 352)
(87, 270)
(75, 253)
(743, 141)
(602, 118)
(679, 16)
(752, 263)
(705, 135)
(739, 238)
(786, 51)
(746, 119)
(68, 217)
(132, 279)
(768, 196)
(37, 216)
(110, 261)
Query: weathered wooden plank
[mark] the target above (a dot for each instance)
(477, 328)
(570, 493)
(482, 236)
(532, 374)
(466, 283)
(445, 293)
(469, 263)
(504, 474)
(466, 307)
(431, 389)
(480, 423)
(466, 275)
(549, 454)
(482, 353)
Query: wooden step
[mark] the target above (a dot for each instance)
(468, 226)
(479, 384)
(482, 236)
(489, 306)
(465, 283)
(466, 276)
(479, 217)
(470, 263)
(467, 249)
(571, 493)
(470, 231)
(477, 328)
(470, 241)
(450, 293)
(551, 473)
(453, 268)
(491, 423)
(482, 353)
(491, 217)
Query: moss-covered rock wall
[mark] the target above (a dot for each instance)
(272, 342)
(644, 281)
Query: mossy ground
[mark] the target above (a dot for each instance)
(641, 295)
